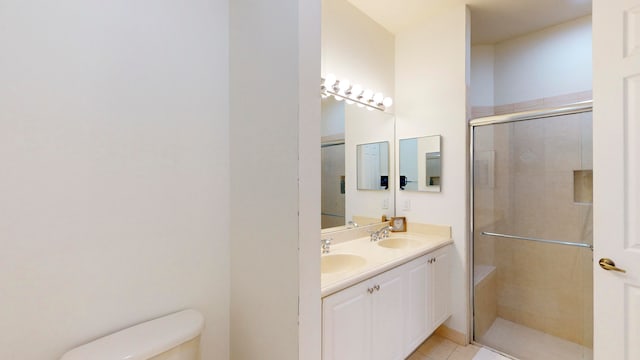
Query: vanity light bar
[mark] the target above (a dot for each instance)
(344, 90)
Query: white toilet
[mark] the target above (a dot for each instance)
(172, 337)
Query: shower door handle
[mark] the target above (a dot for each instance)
(608, 264)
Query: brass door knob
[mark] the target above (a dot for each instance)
(608, 264)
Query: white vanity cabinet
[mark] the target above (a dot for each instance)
(388, 316)
(440, 286)
(353, 317)
(428, 296)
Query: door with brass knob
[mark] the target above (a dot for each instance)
(608, 264)
(616, 179)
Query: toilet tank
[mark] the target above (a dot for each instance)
(172, 337)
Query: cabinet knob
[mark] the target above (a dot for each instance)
(372, 289)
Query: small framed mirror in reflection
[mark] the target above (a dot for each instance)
(373, 166)
(421, 164)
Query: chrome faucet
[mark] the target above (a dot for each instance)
(352, 224)
(381, 233)
(326, 243)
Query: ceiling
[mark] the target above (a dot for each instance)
(491, 20)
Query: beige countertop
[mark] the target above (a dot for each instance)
(378, 259)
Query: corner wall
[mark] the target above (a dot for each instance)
(550, 62)
(114, 186)
(275, 179)
(542, 69)
(431, 89)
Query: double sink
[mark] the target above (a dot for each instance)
(333, 263)
(355, 260)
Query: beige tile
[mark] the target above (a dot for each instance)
(508, 313)
(562, 143)
(528, 155)
(417, 356)
(560, 100)
(528, 105)
(437, 347)
(527, 343)
(464, 352)
(583, 186)
(486, 304)
(584, 95)
(483, 249)
(481, 111)
(533, 320)
(569, 327)
(504, 109)
(586, 139)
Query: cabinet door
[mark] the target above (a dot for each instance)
(417, 322)
(388, 341)
(346, 324)
(440, 269)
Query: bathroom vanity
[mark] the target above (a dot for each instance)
(382, 299)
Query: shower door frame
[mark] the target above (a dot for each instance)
(569, 109)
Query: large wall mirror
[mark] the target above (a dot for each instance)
(420, 164)
(357, 164)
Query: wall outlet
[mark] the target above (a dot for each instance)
(406, 205)
(385, 203)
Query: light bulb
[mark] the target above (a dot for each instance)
(377, 98)
(366, 95)
(350, 102)
(344, 85)
(360, 105)
(339, 98)
(369, 108)
(387, 102)
(329, 81)
(356, 90)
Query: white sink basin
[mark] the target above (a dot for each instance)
(335, 263)
(401, 243)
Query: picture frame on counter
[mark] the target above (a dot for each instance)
(398, 224)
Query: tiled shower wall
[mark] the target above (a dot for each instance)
(524, 186)
(535, 104)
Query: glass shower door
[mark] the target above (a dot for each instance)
(532, 236)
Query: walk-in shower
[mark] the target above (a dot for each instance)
(532, 233)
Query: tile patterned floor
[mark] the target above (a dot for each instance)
(485, 354)
(439, 348)
(512, 338)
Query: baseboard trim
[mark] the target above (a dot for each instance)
(453, 335)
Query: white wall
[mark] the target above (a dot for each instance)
(364, 127)
(482, 87)
(332, 117)
(114, 187)
(275, 179)
(356, 47)
(309, 304)
(551, 62)
(431, 82)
